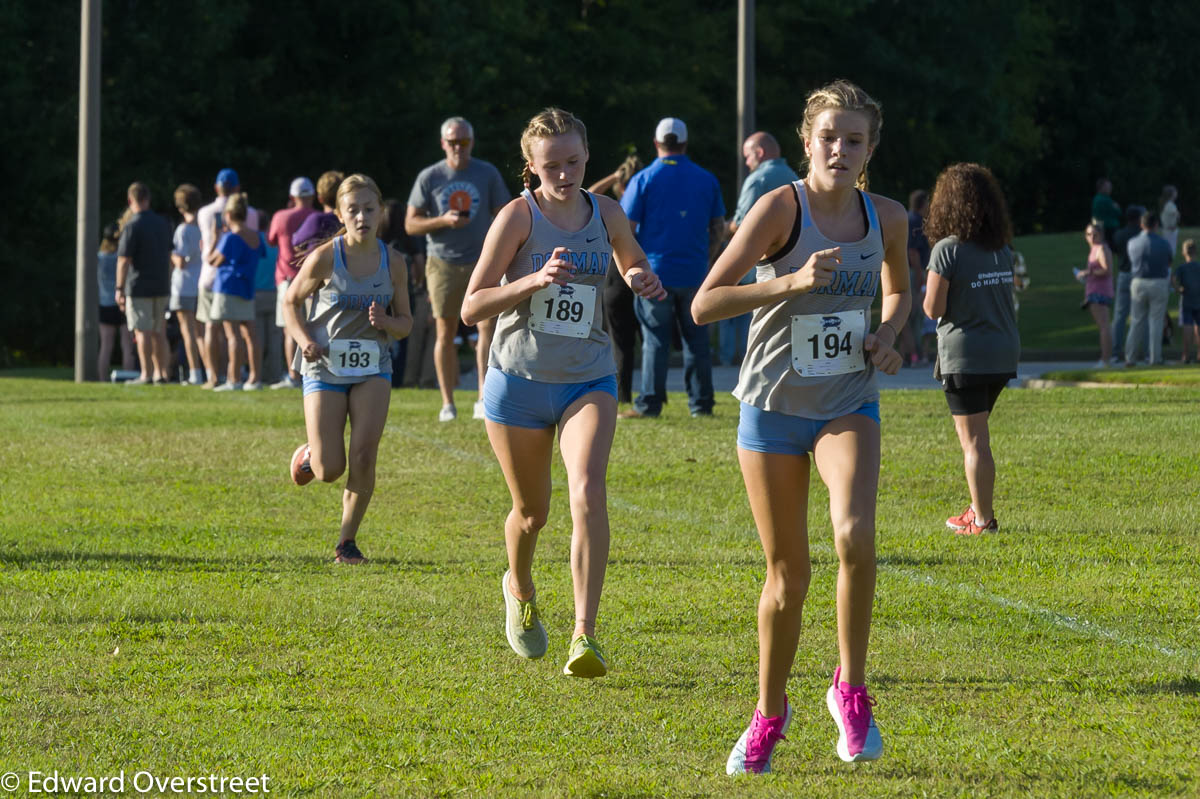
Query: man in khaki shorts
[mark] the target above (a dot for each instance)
(144, 283)
(452, 204)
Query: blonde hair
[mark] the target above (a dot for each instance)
(354, 183)
(351, 184)
(236, 205)
(843, 95)
(327, 186)
(1189, 247)
(550, 122)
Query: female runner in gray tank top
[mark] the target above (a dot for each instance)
(824, 248)
(359, 287)
(542, 269)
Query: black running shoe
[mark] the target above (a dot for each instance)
(348, 552)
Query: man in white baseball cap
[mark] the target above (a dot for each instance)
(679, 216)
(283, 225)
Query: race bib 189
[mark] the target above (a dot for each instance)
(353, 357)
(563, 310)
(828, 344)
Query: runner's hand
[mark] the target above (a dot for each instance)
(646, 284)
(818, 271)
(312, 351)
(557, 270)
(378, 316)
(884, 356)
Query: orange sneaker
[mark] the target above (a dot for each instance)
(302, 473)
(974, 528)
(962, 520)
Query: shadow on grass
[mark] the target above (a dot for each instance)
(130, 561)
(1185, 686)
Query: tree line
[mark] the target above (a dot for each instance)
(1051, 94)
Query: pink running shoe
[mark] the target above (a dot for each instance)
(858, 737)
(752, 752)
(962, 520)
(302, 473)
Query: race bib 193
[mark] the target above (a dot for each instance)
(828, 344)
(563, 310)
(353, 357)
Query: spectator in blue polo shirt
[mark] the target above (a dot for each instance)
(677, 211)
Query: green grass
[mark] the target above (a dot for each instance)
(167, 603)
(1050, 317)
(1141, 376)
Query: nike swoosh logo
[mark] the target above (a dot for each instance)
(865, 257)
(376, 285)
(593, 238)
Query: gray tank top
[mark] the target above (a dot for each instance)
(340, 314)
(768, 378)
(547, 337)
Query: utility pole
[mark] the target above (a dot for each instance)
(745, 77)
(87, 208)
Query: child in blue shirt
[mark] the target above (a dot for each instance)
(236, 257)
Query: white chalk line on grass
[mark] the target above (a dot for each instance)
(1075, 624)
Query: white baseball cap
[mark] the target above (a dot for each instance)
(301, 187)
(669, 125)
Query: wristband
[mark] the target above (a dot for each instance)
(895, 332)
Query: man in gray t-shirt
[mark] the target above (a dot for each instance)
(452, 204)
(144, 283)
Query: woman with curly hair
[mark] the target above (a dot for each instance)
(969, 292)
(824, 248)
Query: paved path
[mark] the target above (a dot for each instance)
(921, 377)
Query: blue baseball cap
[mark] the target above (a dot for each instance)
(227, 177)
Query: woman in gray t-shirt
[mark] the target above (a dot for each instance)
(969, 292)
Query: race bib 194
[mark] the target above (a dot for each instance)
(563, 310)
(828, 344)
(353, 357)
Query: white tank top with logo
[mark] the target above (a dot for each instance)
(339, 321)
(557, 335)
(804, 356)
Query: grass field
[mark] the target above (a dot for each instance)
(1050, 318)
(168, 603)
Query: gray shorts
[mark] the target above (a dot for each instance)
(178, 303)
(280, 298)
(204, 299)
(146, 313)
(231, 308)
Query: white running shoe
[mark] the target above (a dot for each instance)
(478, 412)
(252, 386)
(286, 382)
(227, 386)
(448, 413)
